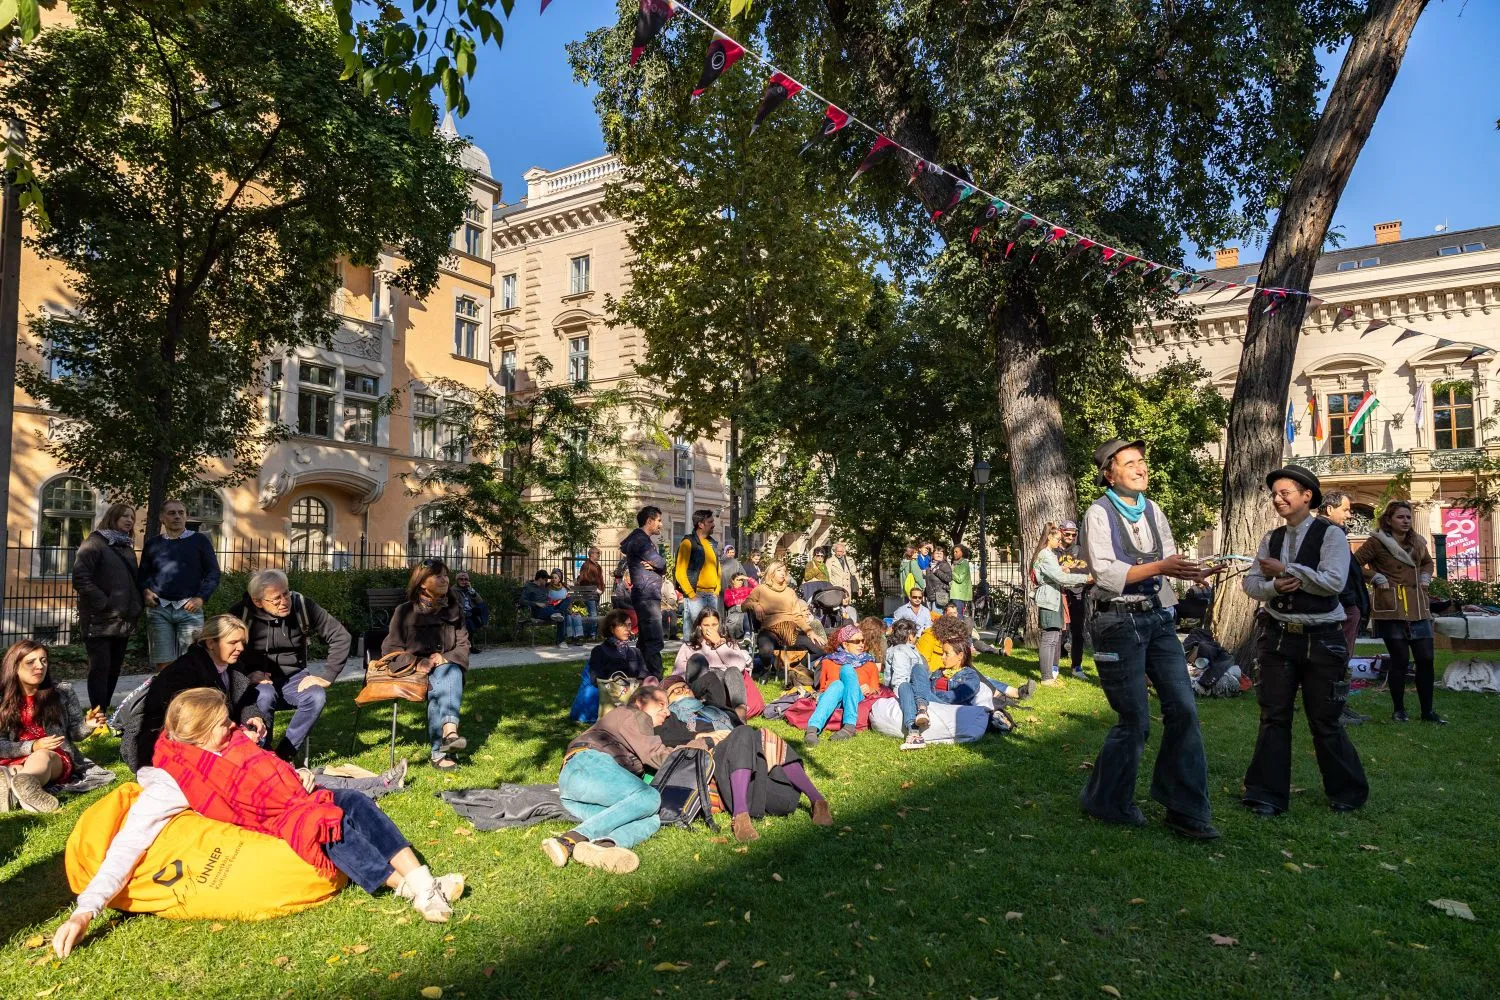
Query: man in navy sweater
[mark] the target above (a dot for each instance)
(179, 571)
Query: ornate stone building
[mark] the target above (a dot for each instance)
(1434, 416)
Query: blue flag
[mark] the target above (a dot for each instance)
(1291, 425)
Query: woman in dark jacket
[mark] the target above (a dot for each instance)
(107, 579)
(429, 628)
(37, 729)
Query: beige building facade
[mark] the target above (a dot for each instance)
(1435, 392)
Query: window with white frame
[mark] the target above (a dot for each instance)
(434, 433)
(578, 275)
(205, 512)
(507, 291)
(315, 400)
(67, 517)
(377, 304)
(578, 359)
(273, 392)
(473, 233)
(508, 369)
(361, 408)
(466, 327)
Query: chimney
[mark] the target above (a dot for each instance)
(1228, 257)
(1388, 232)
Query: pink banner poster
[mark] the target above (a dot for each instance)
(1462, 530)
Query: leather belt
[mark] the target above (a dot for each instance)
(1130, 607)
(1310, 628)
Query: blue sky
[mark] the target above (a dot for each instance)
(1432, 158)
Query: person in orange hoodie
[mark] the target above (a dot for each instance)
(849, 674)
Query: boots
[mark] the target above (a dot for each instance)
(427, 898)
(29, 792)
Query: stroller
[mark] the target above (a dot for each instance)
(827, 603)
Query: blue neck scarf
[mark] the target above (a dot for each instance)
(1131, 512)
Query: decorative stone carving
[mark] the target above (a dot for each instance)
(357, 344)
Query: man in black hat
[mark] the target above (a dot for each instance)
(1078, 619)
(1130, 552)
(1299, 572)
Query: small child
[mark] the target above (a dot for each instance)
(739, 589)
(901, 658)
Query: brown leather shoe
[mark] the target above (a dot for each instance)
(821, 814)
(744, 830)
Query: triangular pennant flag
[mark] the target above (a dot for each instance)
(545, 3)
(991, 211)
(1375, 324)
(833, 119)
(1248, 288)
(1108, 252)
(918, 166)
(1129, 259)
(1224, 287)
(1442, 343)
(779, 89)
(1407, 333)
(883, 147)
(1478, 352)
(1025, 222)
(652, 17)
(1008, 248)
(1054, 233)
(722, 54)
(1345, 312)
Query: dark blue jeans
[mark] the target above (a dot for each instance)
(283, 694)
(1128, 648)
(369, 842)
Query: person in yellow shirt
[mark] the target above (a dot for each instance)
(697, 572)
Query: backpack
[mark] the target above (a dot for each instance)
(682, 782)
(127, 720)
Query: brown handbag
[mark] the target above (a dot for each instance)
(393, 677)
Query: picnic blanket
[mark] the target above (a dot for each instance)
(799, 711)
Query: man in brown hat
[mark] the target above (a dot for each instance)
(1299, 572)
(1129, 549)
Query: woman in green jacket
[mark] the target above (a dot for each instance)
(961, 590)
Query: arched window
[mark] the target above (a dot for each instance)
(67, 517)
(307, 543)
(205, 514)
(425, 539)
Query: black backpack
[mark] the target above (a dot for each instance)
(682, 782)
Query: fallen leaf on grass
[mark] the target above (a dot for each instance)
(1137, 901)
(1420, 947)
(50, 990)
(35, 941)
(358, 949)
(747, 916)
(1453, 908)
(775, 877)
(1389, 867)
(1287, 855)
(1110, 990)
(721, 965)
(448, 937)
(1013, 915)
(1337, 975)
(331, 959)
(983, 921)
(1292, 868)
(759, 963)
(280, 961)
(463, 831)
(394, 976)
(1368, 847)
(670, 966)
(591, 921)
(1223, 940)
(432, 992)
(788, 977)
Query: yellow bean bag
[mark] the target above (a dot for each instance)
(198, 868)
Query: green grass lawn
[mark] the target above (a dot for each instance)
(952, 872)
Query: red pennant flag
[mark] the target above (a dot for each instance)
(1345, 312)
(883, 147)
(1129, 259)
(1008, 248)
(779, 89)
(722, 54)
(1375, 324)
(1224, 287)
(1109, 252)
(544, 6)
(992, 211)
(833, 120)
(649, 21)
(1056, 233)
(960, 192)
(918, 166)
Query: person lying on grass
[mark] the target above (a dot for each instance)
(601, 783)
(847, 676)
(37, 729)
(756, 772)
(206, 763)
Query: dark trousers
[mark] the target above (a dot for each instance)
(1077, 622)
(1408, 641)
(1128, 648)
(1317, 663)
(766, 644)
(650, 638)
(106, 655)
(370, 839)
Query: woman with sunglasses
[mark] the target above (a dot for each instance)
(858, 677)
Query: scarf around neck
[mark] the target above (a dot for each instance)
(255, 790)
(1131, 512)
(114, 537)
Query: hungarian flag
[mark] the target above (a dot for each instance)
(1317, 425)
(722, 54)
(883, 147)
(653, 16)
(779, 89)
(1361, 416)
(833, 120)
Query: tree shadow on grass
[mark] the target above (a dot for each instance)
(13, 834)
(34, 894)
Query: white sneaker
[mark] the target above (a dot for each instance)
(562, 645)
(426, 897)
(451, 886)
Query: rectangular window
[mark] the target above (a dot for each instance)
(1449, 251)
(365, 385)
(377, 306)
(314, 414)
(466, 328)
(474, 230)
(508, 291)
(1349, 265)
(316, 375)
(508, 369)
(578, 359)
(359, 420)
(1341, 409)
(273, 396)
(1370, 262)
(1473, 247)
(578, 276)
(1452, 417)
(682, 469)
(424, 425)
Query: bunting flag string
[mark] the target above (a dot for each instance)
(781, 88)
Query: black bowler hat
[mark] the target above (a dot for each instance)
(1108, 450)
(1303, 478)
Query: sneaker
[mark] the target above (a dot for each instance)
(1434, 718)
(821, 814)
(1026, 691)
(426, 898)
(1350, 717)
(451, 886)
(744, 829)
(1053, 682)
(1399, 716)
(557, 618)
(28, 791)
(843, 734)
(1079, 674)
(562, 645)
(921, 722)
(453, 742)
(395, 778)
(616, 860)
(810, 738)
(914, 741)
(557, 852)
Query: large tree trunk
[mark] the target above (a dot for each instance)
(1258, 410)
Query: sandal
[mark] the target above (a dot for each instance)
(445, 763)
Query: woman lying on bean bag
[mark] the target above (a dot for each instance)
(205, 763)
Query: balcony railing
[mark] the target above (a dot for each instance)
(1369, 464)
(1449, 459)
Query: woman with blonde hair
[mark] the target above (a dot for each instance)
(208, 663)
(782, 617)
(1049, 581)
(206, 763)
(1399, 566)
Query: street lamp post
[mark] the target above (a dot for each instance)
(981, 479)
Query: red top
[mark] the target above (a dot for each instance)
(31, 729)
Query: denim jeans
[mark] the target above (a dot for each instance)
(170, 631)
(612, 803)
(906, 694)
(963, 686)
(368, 843)
(571, 627)
(306, 705)
(591, 620)
(692, 608)
(844, 693)
(1128, 648)
(445, 691)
